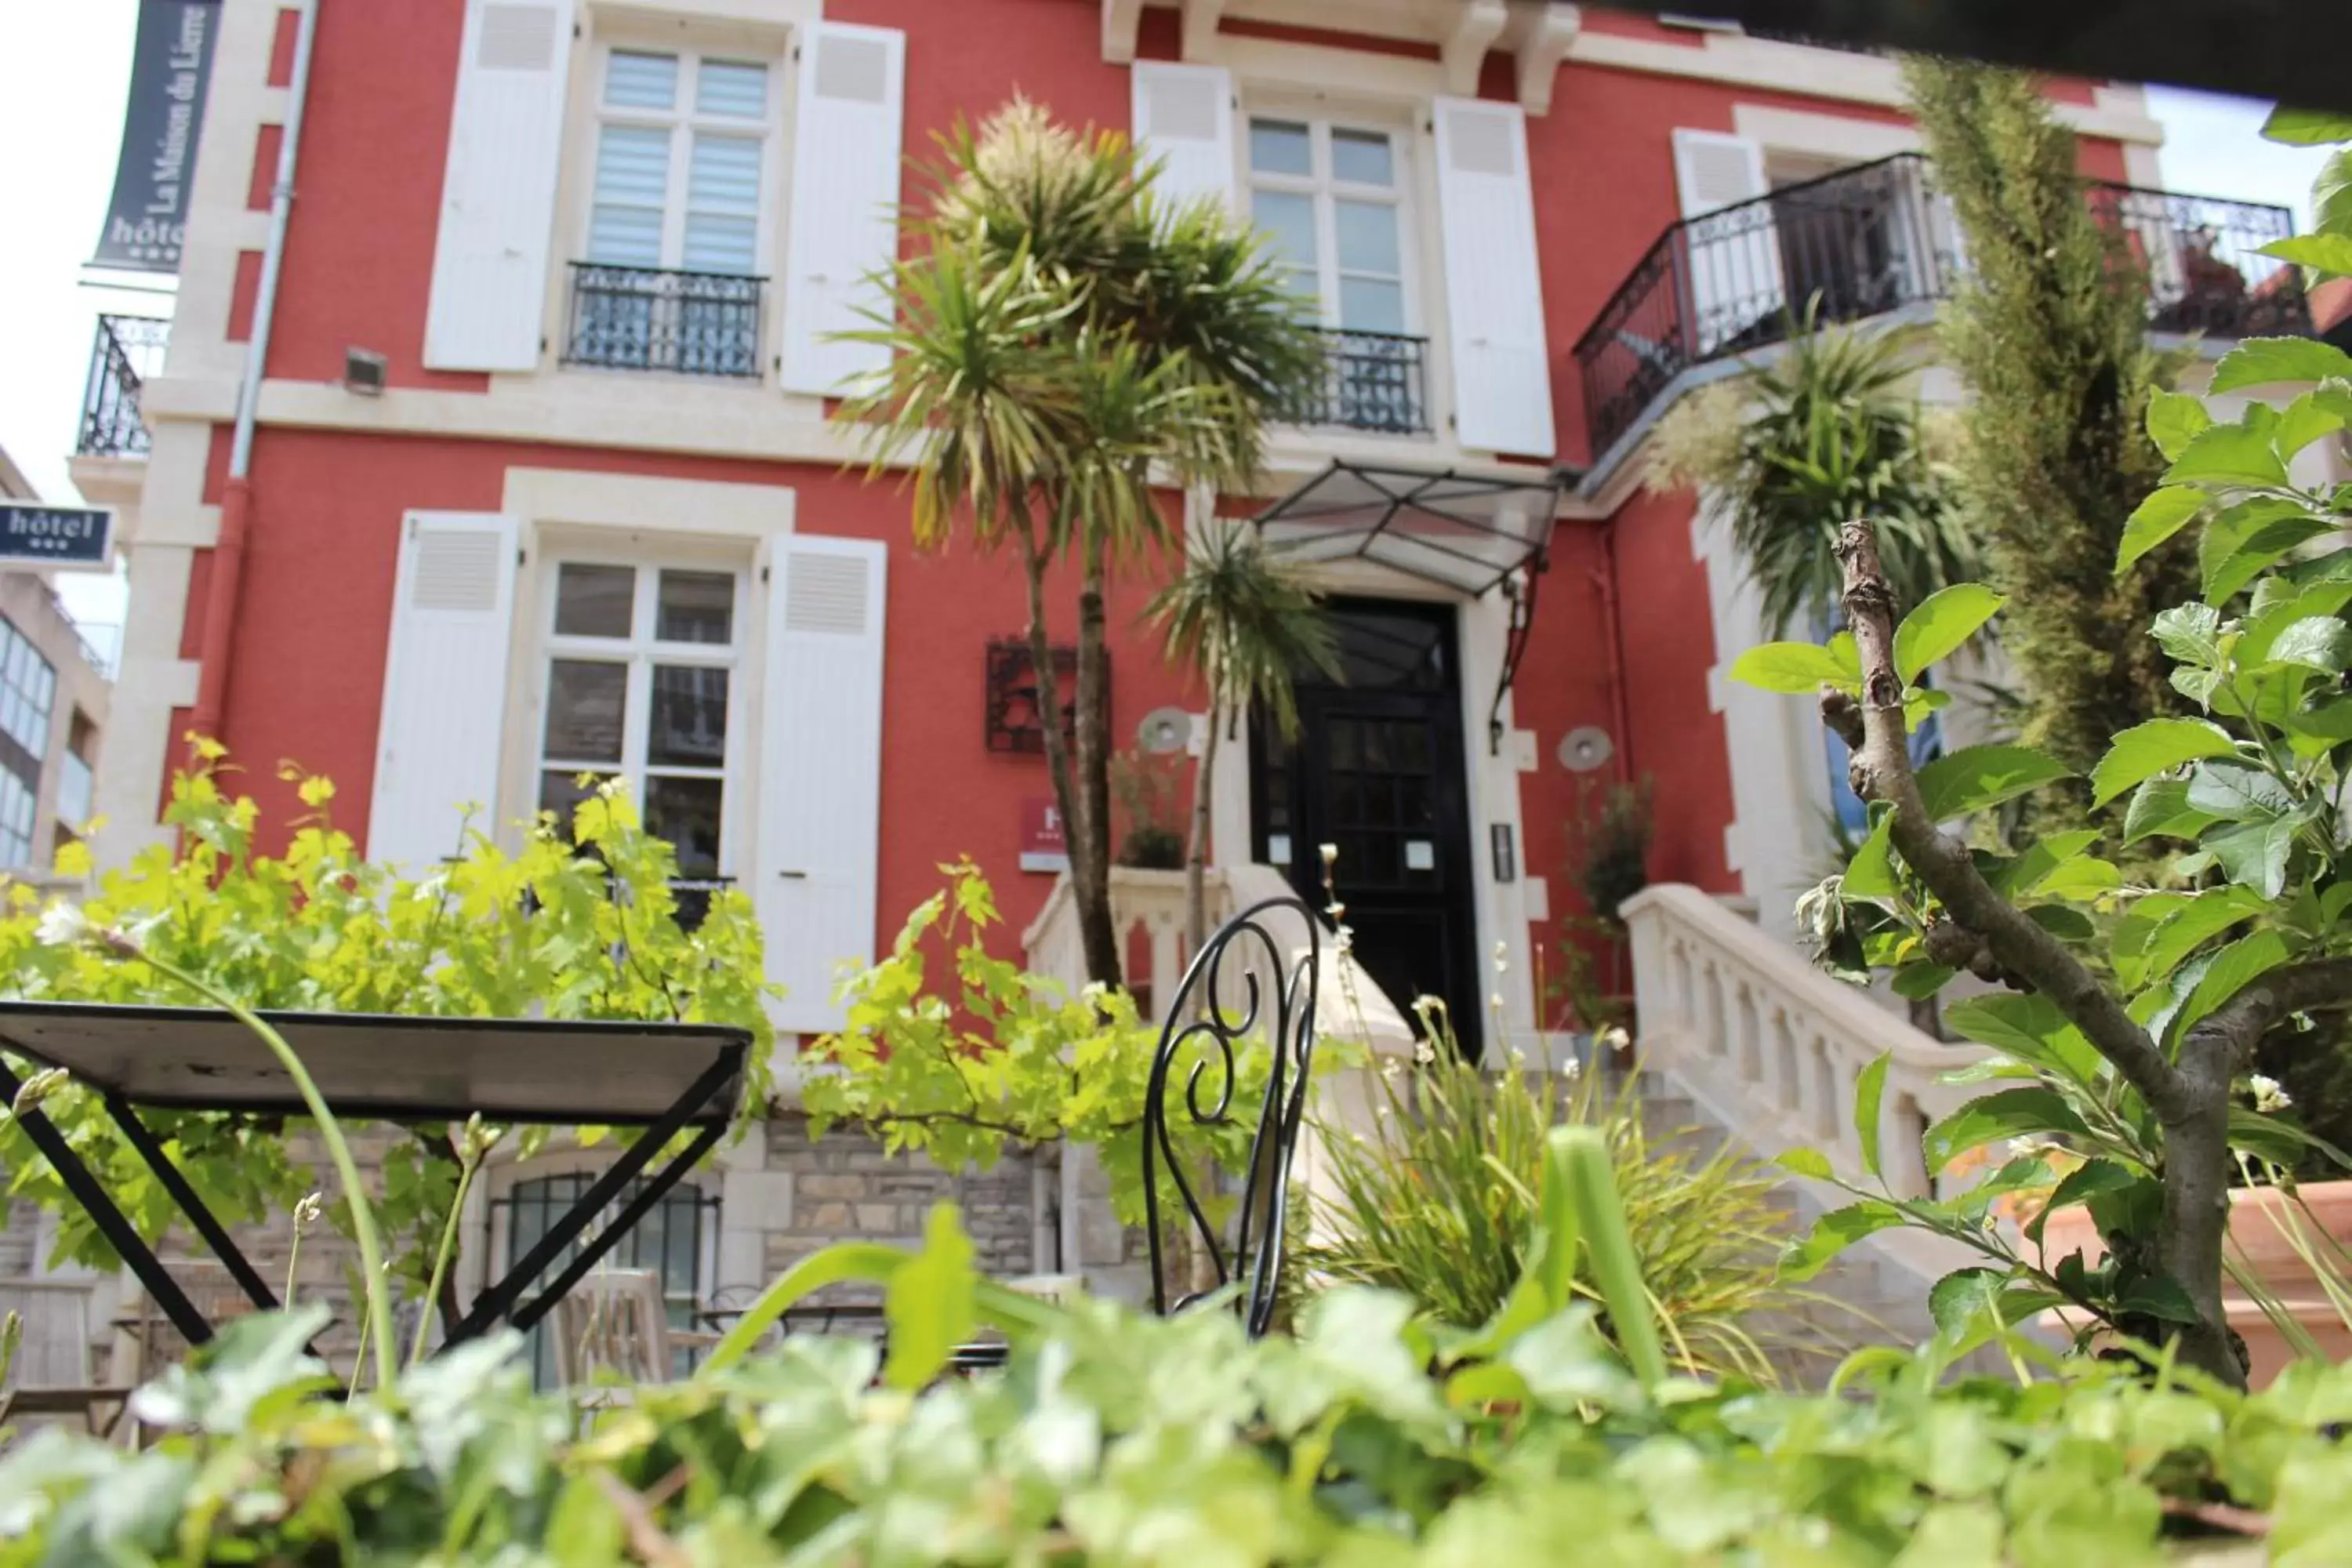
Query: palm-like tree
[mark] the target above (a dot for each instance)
(1824, 433)
(1065, 347)
(1244, 621)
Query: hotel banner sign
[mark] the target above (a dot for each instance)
(55, 536)
(169, 66)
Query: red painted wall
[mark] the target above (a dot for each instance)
(358, 268)
(309, 651)
(1669, 646)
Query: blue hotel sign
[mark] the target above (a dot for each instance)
(55, 536)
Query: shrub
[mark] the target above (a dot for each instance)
(578, 923)
(1369, 1440)
(1439, 1204)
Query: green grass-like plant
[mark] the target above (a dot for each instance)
(1440, 1202)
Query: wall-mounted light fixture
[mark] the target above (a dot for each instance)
(364, 372)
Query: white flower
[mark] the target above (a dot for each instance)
(1422, 1052)
(1502, 957)
(2268, 1096)
(1343, 941)
(1613, 1037)
(1330, 853)
(1569, 1067)
(1496, 1001)
(1518, 1057)
(307, 1212)
(64, 925)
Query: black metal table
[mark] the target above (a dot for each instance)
(665, 1079)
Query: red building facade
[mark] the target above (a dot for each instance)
(596, 517)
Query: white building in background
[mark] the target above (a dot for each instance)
(55, 688)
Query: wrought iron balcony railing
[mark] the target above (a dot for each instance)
(1377, 382)
(128, 349)
(644, 318)
(1870, 240)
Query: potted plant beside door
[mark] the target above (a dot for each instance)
(1609, 863)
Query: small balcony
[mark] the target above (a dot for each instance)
(644, 318)
(1373, 382)
(128, 349)
(1880, 238)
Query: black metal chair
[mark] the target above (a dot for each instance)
(1241, 991)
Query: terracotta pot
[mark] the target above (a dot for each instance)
(2258, 1243)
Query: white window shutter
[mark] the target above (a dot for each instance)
(1494, 287)
(1732, 260)
(492, 256)
(1185, 118)
(820, 770)
(445, 684)
(845, 202)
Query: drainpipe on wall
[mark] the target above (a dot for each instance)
(1621, 708)
(236, 494)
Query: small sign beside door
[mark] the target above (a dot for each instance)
(1042, 846)
(55, 536)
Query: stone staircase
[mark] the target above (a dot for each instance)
(1742, 1040)
(1863, 1297)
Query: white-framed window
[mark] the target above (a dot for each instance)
(681, 159)
(1335, 198)
(29, 688)
(641, 663)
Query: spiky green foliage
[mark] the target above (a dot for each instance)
(1440, 1204)
(1244, 621)
(2050, 331)
(1066, 343)
(1826, 431)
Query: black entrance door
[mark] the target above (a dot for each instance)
(1377, 773)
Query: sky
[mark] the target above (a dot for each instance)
(64, 69)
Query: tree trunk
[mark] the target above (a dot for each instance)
(2196, 1205)
(1090, 877)
(1196, 854)
(1058, 756)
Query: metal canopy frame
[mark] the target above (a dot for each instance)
(1386, 509)
(690, 1081)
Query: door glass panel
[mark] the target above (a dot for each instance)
(1362, 158)
(1289, 218)
(1371, 306)
(587, 706)
(1391, 653)
(686, 812)
(689, 718)
(633, 79)
(695, 608)
(723, 205)
(632, 190)
(1379, 805)
(595, 601)
(561, 792)
(732, 90)
(1367, 236)
(1281, 147)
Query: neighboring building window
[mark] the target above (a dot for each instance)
(74, 781)
(1332, 196)
(677, 1239)
(28, 687)
(681, 147)
(640, 668)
